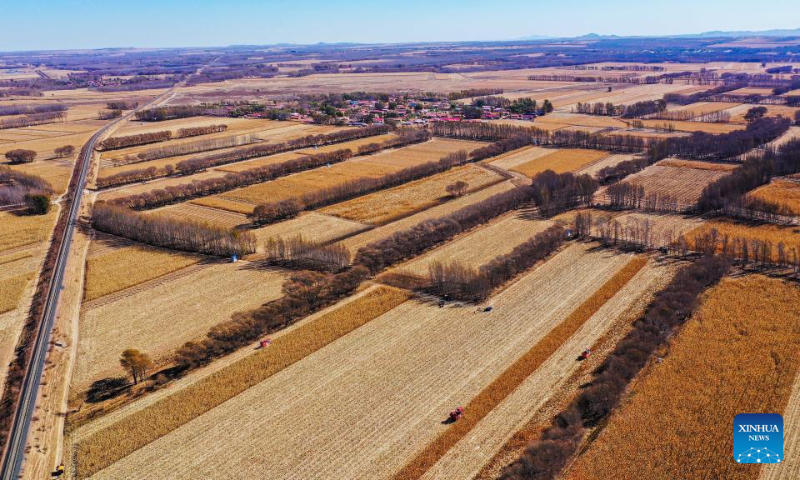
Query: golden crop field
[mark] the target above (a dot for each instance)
(516, 374)
(520, 156)
(245, 199)
(20, 230)
(357, 241)
(788, 235)
(720, 365)
(160, 315)
(11, 289)
(135, 431)
(751, 91)
(412, 345)
(481, 245)
(561, 161)
(113, 269)
(702, 108)
(384, 206)
(782, 192)
(199, 213)
(738, 113)
(312, 226)
(696, 164)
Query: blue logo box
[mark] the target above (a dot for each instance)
(758, 438)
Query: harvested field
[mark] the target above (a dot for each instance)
(313, 226)
(481, 245)
(357, 241)
(791, 440)
(696, 164)
(738, 113)
(703, 108)
(156, 184)
(508, 381)
(520, 156)
(239, 127)
(19, 230)
(679, 180)
(259, 162)
(791, 134)
(11, 289)
(236, 378)
(160, 315)
(789, 236)
(691, 126)
(609, 161)
(580, 120)
(405, 370)
(352, 145)
(782, 192)
(243, 200)
(663, 228)
(751, 91)
(57, 172)
(701, 384)
(199, 213)
(110, 270)
(561, 161)
(388, 205)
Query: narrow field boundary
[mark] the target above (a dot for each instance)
(119, 440)
(511, 378)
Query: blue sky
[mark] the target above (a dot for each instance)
(65, 24)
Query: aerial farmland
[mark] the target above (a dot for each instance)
(529, 259)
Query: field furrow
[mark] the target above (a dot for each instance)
(389, 383)
(467, 457)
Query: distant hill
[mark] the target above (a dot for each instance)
(712, 34)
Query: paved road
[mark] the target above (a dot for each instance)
(15, 454)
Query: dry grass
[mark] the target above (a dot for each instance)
(244, 200)
(107, 446)
(790, 236)
(561, 161)
(118, 269)
(782, 192)
(719, 365)
(17, 231)
(57, 172)
(11, 289)
(403, 370)
(692, 126)
(491, 396)
(385, 206)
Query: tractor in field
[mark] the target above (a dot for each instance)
(584, 355)
(456, 414)
(265, 343)
(58, 471)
